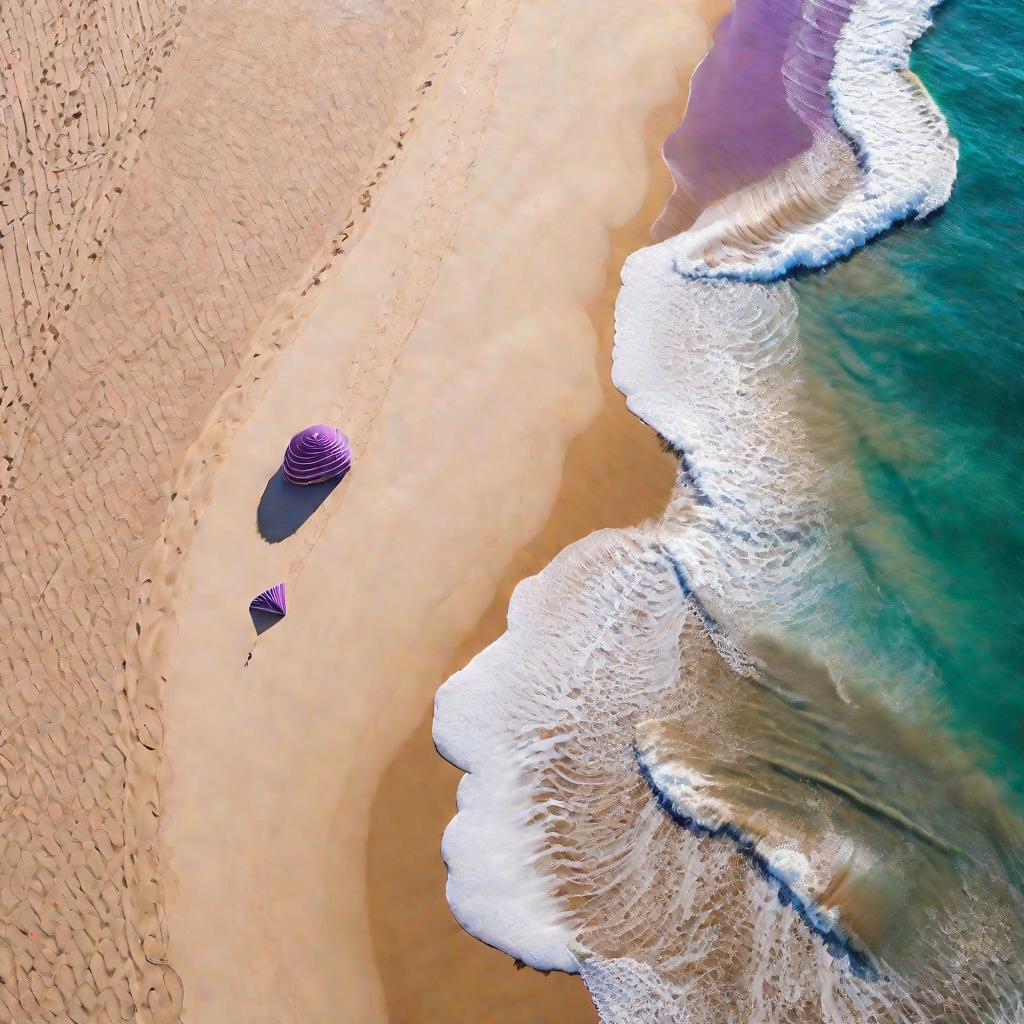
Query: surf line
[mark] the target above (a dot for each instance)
(839, 943)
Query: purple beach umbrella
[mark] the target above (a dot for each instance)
(271, 601)
(316, 454)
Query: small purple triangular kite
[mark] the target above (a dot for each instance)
(271, 601)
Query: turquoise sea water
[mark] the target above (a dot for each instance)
(918, 342)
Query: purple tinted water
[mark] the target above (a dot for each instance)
(807, 69)
(756, 101)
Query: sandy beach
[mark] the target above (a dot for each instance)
(406, 220)
(156, 211)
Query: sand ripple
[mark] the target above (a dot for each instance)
(155, 205)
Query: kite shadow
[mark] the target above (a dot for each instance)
(284, 506)
(262, 621)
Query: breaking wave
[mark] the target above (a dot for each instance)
(906, 155)
(685, 779)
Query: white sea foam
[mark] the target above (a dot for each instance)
(545, 706)
(907, 154)
(710, 365)
(664, 925)
(491, 847)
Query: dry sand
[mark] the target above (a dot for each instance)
(180, 303)
(168, 174)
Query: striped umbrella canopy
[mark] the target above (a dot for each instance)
(271, 601)
(316, 454)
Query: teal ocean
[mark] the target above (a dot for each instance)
(916, 347)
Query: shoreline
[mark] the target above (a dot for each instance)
(558, 854)
(595, 491)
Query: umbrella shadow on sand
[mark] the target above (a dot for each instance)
(262, 621)
(284, 507)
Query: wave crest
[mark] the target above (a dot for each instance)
(904, 147)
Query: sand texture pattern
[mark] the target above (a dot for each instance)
(172, 176)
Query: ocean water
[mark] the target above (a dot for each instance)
(726, 765)
(920, 341)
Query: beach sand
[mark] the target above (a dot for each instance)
(436, 277)
(174, 177)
